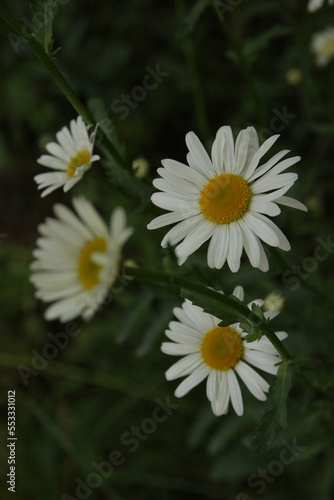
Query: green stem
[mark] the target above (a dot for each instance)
(241, 60)
(137, 188)
(56, 75)
(196, 86)
(227, 303)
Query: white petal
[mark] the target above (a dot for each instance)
(52, 162)
(178, 349)
(211, 385)
(229, 161)
(50, 189)
(188, 194)
(239, 292)
(264, 207)
(263, 264)
(183, 338)
(241, 150)
(217, 153)
(252, 380)
(283, 242)
(271, 314)
(48, 178)
(235, 393)
(185, 172)
(183, 326)
(170, 218)
(173, 203)
(291, 202)
(258, 155)
(192, 381)
(258, 360)
(266, 166)
(194, 240)
(72, 221)
(71, 182)
(268, 182)
(69, 308)
(253, 147)
(181, 230)
(235, 247)
(118, 222)
(184, 366)
(221, 400)
(176, 182)
(261, 228)
(54, 149)
(218, 246)
(199, 319)
(198, 158)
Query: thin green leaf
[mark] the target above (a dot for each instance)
(44, 13)
(228, 308)
(275, 415)
(253, 325)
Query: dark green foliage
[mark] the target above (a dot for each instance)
(75, 411)
(275, 415)
(44, 12)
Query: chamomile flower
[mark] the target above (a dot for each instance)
(70, 158)
(77, 259)
(225, 200)
(220, 355)
(322, 46)
(314, 5)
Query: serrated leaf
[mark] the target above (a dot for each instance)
(275, 415)
(101, 116)
(44, 13)
(251, 326)
(116, 174)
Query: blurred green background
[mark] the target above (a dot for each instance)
(75, 410)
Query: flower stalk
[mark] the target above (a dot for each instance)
(226, 303)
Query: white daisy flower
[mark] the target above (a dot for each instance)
(219, 354)
(225, 200)
(77, 259)
(314, 5)
(322, 46)
(70, 158)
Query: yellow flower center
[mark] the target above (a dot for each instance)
(87, 270)
(328, 47)
(221, 348)
(225, 198)
(81, 158)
